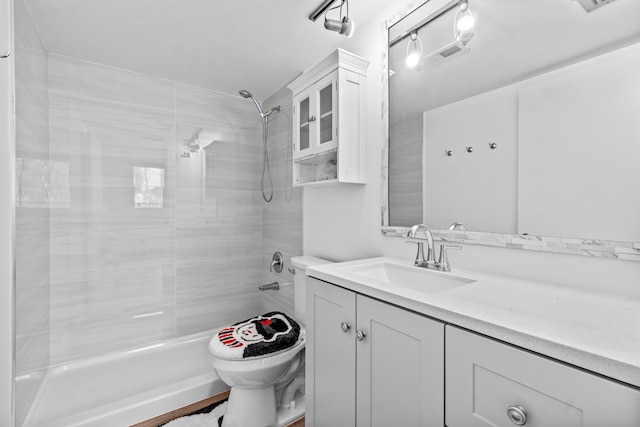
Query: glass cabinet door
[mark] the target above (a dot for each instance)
(326, 104)
(304, 142)
(315, 124)
(326, 114)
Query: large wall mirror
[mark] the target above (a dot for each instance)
(525, 129)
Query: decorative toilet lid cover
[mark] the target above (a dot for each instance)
(258, 336)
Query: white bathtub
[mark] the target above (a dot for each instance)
(125, 388)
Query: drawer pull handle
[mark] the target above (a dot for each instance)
(345, 327)
(517, 415)
(360, 335)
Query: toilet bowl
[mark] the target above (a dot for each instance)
(258, 379)
(253, 380)
(260, 371)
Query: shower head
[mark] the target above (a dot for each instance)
(246, 94)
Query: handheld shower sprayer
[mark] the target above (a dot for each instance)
(266, 171)
(246, 94)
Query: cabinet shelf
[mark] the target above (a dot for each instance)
(321, 158)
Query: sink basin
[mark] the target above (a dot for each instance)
(414, 278)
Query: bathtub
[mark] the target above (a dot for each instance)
(124, 388)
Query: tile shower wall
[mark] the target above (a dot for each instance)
(150, 245)
(33, 198)
(282, 218)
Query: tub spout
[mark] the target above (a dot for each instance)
(270, 286)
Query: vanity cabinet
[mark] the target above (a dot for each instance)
(329, 103)
(370, 363)
(489, 383)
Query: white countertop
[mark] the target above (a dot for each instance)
(595, 331)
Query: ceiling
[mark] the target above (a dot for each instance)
(258, 45)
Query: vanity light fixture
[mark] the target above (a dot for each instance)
(463, 23)
(344, 25)
(414, 50)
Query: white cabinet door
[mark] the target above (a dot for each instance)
(315, 120)
(489, 383)
(302, 134)
(400, 373)
(327, 113)
(331, 356)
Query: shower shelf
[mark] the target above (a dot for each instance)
(329, 104)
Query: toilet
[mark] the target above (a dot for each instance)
(262, 360)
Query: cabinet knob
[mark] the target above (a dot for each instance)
(345, 327)
(517, 414)
(360, 335)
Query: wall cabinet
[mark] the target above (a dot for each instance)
(499, 385)
(370, 363)
(315, 125)
(329, 103)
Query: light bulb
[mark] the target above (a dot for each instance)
(414, 51)
(465, 23)
(413, 59)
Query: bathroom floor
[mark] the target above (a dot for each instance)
(187, 410)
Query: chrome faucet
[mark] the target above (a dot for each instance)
(443, 262)
(457, 226)
(430, 261)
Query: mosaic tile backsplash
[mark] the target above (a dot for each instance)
(629, 251)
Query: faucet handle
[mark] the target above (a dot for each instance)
(420, 254)
(443, 259)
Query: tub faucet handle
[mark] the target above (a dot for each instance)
(277, 262)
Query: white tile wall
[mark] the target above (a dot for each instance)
(124, 276)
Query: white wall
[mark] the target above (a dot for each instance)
(343, 223)
(7, 182)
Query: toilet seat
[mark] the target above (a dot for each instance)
(257, 337)
(294, 348)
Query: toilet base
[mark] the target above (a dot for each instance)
(256, 407)
(287, 415)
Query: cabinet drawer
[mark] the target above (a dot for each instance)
(485, 379)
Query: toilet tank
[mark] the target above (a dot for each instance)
(300, 263)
